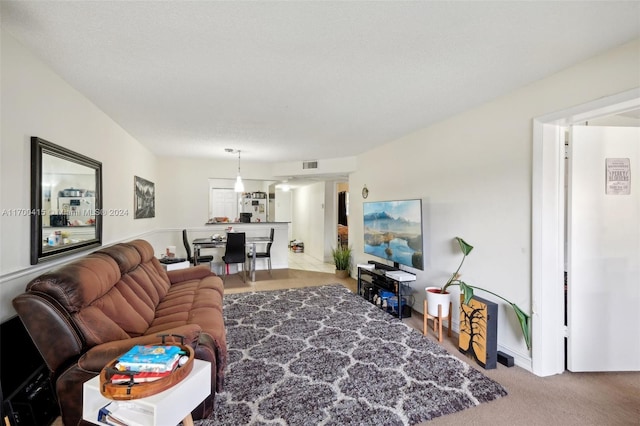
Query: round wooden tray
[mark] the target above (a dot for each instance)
(131, 390)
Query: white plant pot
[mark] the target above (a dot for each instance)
(436, 298)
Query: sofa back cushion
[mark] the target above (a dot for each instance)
(77, 286)
(143, 284)
(112, 293)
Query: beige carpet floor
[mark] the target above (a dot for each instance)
(563, 399)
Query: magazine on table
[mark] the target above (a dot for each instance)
(125, 413)
(139, 377)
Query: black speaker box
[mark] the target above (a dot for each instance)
(28, 398)
(505, 359)
(406, 311)
(368, 291)
(34, 403)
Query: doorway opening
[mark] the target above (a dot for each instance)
(343, 215)
(548, 228)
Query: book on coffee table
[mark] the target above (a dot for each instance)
(154, 358)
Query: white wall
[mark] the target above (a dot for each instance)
(187, 182)
(37, 102)
(615, 120)
(330, 221)
(283, 209)
(308, 206)
(473, 172)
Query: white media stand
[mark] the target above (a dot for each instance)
(169, 407)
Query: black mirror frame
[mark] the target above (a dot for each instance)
(38, 148)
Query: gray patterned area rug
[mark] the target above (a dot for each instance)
(325, 356)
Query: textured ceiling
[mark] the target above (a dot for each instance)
(289, 81)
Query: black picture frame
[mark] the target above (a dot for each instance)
(144, 198)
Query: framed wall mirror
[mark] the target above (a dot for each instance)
(66, 201)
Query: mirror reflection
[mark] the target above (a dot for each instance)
(65, 200)
(68, 202)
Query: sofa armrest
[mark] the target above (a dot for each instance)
(187, 274)
(97, 357)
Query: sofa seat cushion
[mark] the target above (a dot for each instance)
(196, 301)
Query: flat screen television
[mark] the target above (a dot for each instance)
(393, 231)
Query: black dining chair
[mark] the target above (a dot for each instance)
(267, 253)
(235, 252)
(187, 247)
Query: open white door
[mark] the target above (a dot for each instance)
(223, 202)
(604, 252)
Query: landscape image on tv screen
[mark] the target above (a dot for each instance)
(393, 231)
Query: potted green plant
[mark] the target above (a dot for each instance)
(467, 291)
(342, 259)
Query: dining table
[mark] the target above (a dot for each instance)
(210, 242)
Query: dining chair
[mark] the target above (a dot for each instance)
(235, 252)
(267, 253)
(187, 247)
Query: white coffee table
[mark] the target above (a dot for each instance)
(169, 407)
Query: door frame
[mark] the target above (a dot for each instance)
(547, 226)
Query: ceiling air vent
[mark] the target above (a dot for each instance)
(310, 164)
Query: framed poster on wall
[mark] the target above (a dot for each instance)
(618, 172)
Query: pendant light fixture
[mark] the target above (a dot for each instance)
(239, 186)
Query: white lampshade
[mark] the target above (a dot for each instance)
(239, 186)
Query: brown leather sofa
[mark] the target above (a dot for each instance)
(86, 313)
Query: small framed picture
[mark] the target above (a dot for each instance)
(144, 198)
